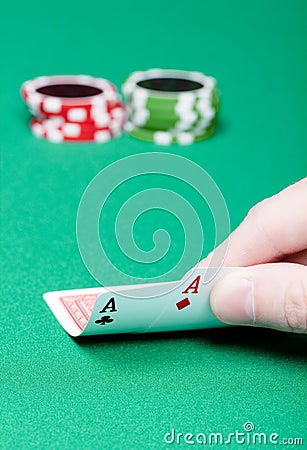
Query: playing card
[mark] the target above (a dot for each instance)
(177, 305)
(73, 308)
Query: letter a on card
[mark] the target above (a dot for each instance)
(193, 286)
(110, 306)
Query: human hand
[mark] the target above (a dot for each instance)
(271, 247)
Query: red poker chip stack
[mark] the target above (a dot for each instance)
(76, 108)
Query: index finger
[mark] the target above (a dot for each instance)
(272, 230)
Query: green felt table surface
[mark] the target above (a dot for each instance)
(127, 392)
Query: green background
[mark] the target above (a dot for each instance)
(128, 391)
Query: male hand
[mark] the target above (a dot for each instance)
(271, 247)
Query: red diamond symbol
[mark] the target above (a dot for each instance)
(183, 303)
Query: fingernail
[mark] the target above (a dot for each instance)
(232, 300)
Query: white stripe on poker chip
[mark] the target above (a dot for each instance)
(53, 123)
(140, 96)
(127, 88)
(204, 122)
(203, 105)
(205, 94)
(129, 127)
(102, 136)
(188, 116)
(116, 129)
(71, 129)
(101, 120)
(162, 138)
(52, 105)
(201, 126)
(155, 73)
(34, 110)
(184, 126)
(110, 94)
(40, 81)
(76, 114)
(210, 82)
(118, 113)
(185, 138)
(140, 117)
(37, 129)
(198, 76)
(86, 79)
(186, 98)
(54, 135)
(34, 100)
(182, 108)
(26, 85)
(99, 102)
(98, 110)
(208, 113)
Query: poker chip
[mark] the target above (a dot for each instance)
(57, 130)
(171, 101)
(171, 136)
(74, 108)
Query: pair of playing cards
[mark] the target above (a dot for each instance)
(177, 305)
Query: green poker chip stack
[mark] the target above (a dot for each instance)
(171, 106)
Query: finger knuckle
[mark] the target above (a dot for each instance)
(295, 307)
(257, 209)
(258, 219)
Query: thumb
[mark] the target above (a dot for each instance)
(267, 295)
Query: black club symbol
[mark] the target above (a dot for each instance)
(104, 319)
